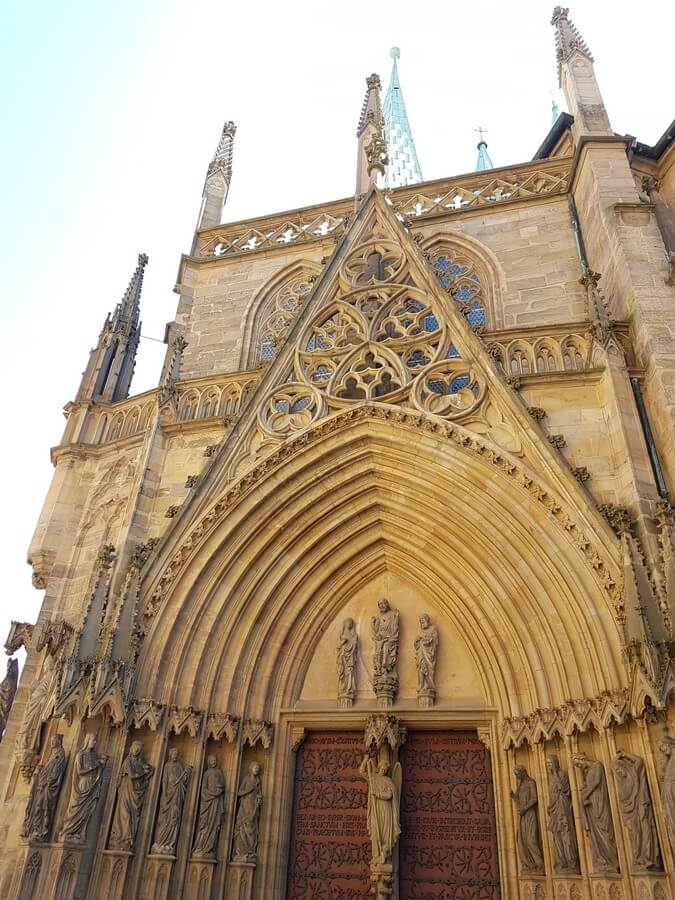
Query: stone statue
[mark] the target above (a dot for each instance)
(426, 646)
(7, 692)
(384, 799)
(384, 630)
(245, 847)
(44, 793)
(667, 747)
(84, 792)
(347, 655)
(637, 812)
(28, 737)
(597, 814)
(529, 836)
(131, 788)
(561, 819)
(211, 809)
(175, 778)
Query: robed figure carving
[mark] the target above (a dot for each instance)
(529, 835)
(7, 692)
(131, 789)
(347, 654)
(385, 635)
(597, 814)
(175, 778)
(85, 789)
(211, 809)
(28, 737)
(637, 812)
(667, 747)
(384, 800)
(44, 793)
(426, 647)
(561, 818)
(245, 845)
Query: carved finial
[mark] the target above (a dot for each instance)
(567, 38)
(618, 517)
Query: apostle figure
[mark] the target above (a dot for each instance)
(597, 814)
(384, 630)
(529, 836)
(85, 789)
(211, 809)
(666, 746)
(635, 803)
(245, 847)
(7, 692)
(384, 799)
(45, 793)
(28, 737)
(426, 646)
(175, 778)
(347, 652)
(131, 788)
(561, 818)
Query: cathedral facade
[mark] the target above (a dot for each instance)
(372, 596)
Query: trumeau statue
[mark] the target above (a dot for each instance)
(131, 789)
(667, 747)
(175, 778)
(347, 656)
(561, 819)
(246, 826)
(384, 629)
(637, 812)
(384, 799)
(84, 792)
(426, 647)
(211, 809)
(7, 692)
(597, 814)
(44, 793)
(529, 836)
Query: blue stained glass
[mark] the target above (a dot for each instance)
(281, 405)
(416, 359)
(458, 383)
(300, 404)
(476, 315)
(430, 323)
(453, 352)
(321, 374)
(437, 386)
(466, 292)
(266, 351)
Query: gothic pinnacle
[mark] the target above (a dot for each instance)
(567, 37)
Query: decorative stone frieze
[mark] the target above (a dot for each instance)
(221, 726)
(382, 729)
(185, 718)
(257, 731)
(146, 713)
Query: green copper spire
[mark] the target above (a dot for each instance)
(555, 112)
(403, 167)
(484, 161)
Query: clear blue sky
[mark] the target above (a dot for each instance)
(112, 111)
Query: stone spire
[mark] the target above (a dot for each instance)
(372, 150)
(576, 77)
(111, 363)
(484, 161)
(403, 166)
(217, 182)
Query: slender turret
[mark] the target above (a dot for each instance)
(403, 166)
(217, 181)
(372, 151)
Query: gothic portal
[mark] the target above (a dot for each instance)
(372, 595)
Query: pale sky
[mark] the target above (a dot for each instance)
(112, 112)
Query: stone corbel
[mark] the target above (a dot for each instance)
(185, 718)
(256, 731)
(382, 729)
(146, 712)
(52, 635)
(298, 735)
(222, 725)
(20, 635)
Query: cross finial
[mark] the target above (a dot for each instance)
(481, 132)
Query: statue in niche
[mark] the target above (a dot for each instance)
(211, 809)
(637, 812)
(175, 778)
(384, 630)
(7, 692)
(667, 747)
(426, 647)
(245, 846)
(131, 789)
(84, 792)
(529, 836)
(28, 737)
(347, 655)
(384, 800)
(597, 814)
(561, 819)
(44, 793)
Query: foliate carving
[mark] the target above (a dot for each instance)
(222, 725)
(529, 836)
(7, 692)
(558, 441)
(20, 635)
(385, 637)
(211, 809)
(106, 556)
(172, 511)
(667, 748)
(618, 517)
(381, 730)
(210, 450)
(132, 786)
(246, 826)
(185, 718)
(143, 552)
(85, 789)
(146, 712)
(597, 814)
(175, 778)
(561, 819)
(637, 811)
(256, 731)
(537, 412)
(384, 801)
(191, 481)
(347, 657)
(581, 473)
(45, 792)
(426, 648)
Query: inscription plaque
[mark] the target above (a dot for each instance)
(330, 847)
(448, 846)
